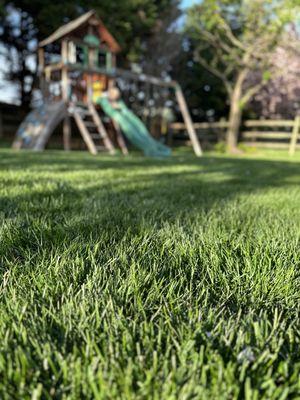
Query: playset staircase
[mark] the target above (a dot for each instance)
(91, 128)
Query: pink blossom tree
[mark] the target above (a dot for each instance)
(280, 96)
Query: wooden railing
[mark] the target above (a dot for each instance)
(276, 134)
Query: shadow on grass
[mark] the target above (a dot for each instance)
(139, 192)
(180, 181)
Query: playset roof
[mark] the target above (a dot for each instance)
(89, 18)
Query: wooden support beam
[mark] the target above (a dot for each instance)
(41, 58)
(144, 78)
(109, 63)
(85, 134)
(64, 52)
(64, 71)
(64, 84)
(113, 60)
(120, 139)
(53, 67)
(117, 72)
(91, 64)
(112, 80)
(89, 88)
(67, 133)
(188, 121)
(295, 135)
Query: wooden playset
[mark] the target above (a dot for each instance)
(77, 70)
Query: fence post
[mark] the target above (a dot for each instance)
(294, 137)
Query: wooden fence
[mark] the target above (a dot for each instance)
(274, 134)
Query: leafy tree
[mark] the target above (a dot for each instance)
(233, 38)
(203, 92)
(25, 22)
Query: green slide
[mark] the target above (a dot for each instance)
(134, 129)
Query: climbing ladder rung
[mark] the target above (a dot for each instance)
(86, 113)
(82, 105)
(90, 124)
(92, 129)
(101, 129)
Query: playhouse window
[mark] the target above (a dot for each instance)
(102, 59)
(80, 56)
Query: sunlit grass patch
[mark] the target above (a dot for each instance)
(138, 278)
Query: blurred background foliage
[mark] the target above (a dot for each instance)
(155, 35)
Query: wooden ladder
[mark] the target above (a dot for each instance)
(91, 128)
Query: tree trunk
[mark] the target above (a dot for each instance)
(235, 117)
(235, 114)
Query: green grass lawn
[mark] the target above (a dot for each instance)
(149, 279)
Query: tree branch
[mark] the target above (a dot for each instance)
(215, 72)
(215, 41)
(254, 89)
(234, 40)
(250, 93)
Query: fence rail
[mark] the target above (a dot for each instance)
(277, 134)
(179, 126)
(269, 123)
